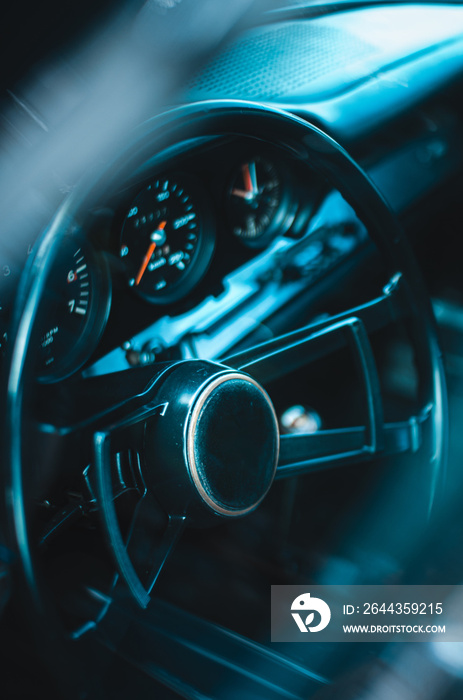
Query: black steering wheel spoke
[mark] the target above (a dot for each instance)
(326, 449)
(82, 406)
(118, 409)
(138, 548)
(151, 542)
(286, 353)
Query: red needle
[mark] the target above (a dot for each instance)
(148, 255)
(247, 178)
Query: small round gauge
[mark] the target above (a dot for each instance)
(166, 240)
(74, 311)
(256, 206)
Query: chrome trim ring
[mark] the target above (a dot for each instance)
(190, 457)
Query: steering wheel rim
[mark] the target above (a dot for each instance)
(160, 135)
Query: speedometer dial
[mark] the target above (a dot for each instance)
(166, 241)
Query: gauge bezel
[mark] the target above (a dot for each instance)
(203, 254)
(97, 316)
(285, 212)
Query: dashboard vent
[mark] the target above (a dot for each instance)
(278, 60)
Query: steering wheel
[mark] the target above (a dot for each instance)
(200, 438)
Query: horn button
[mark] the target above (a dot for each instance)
(215, 448)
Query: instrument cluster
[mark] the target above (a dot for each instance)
(172, 236)
(173, 222)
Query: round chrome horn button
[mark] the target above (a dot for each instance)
(232, 444)
(213, 452)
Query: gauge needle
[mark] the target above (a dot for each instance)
(250, 177)
(253, 175)
(250, 182)
(149, 253)
(247, 178)
(242, 193)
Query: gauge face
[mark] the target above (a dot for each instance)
(255, 201)
(74, 312)
(165, 243)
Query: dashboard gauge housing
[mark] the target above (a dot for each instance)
(167, 238)
(259, 203)
(74, 309)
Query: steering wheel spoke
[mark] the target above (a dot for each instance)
(326, 449)
(83, 406)
(140, 552)
(154, 551)
(286, 353)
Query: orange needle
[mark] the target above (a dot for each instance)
(247, 178)
(148, 255)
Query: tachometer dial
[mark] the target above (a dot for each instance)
(75, 309)
(166, 242)
(256, 202)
